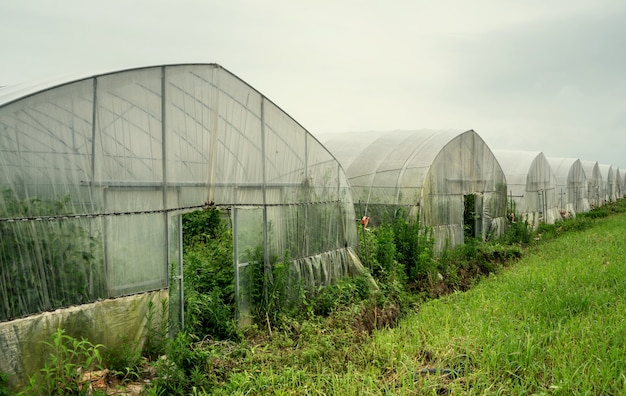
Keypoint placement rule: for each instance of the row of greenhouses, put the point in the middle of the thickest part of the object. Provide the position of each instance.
(96, 171)
(453, 182)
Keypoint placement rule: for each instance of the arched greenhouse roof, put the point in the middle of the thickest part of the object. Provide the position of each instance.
(120, 155)
(572, 186)
(430, 172)
(531, 184)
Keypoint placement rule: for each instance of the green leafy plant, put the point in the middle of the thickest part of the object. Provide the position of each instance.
(209, 276)
(62, 373)
(181, 367)
(4, 384)
(274, 294)
(157, 330)
(123, 360)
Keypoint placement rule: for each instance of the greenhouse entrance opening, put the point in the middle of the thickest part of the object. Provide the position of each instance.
(472, 215)
(208, 273)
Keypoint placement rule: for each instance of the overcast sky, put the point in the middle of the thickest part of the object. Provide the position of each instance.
(528, 74)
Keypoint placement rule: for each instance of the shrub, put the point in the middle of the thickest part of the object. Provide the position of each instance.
(208, 271)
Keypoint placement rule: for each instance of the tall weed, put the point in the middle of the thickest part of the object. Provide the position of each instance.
(62, 373)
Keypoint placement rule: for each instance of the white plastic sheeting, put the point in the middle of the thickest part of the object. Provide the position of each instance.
(619, 180)
(105, 322)
(609, 182)
(96, 170)
(595, 183)
(531, 185)
(571, 185)
(426, 172)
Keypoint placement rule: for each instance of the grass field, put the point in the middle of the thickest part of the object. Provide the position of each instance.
(552, 324)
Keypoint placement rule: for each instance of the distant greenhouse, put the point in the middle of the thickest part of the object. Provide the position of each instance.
(595, 184)
(450, 179)
(571, 186)
(531, 184)
(96, 171)
(609, 183)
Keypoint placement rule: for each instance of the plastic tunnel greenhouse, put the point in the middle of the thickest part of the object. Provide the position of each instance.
(450, 179)
(96, 171)
(609, 183)
(595, 184)
(571, 185)
(531, 185)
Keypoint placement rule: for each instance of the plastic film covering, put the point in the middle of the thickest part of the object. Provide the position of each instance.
(96, 170)
(619, 184)
(594, 183)
(571, 186)
(428, 173)
(23, 350)
(531, 185)
(141, 144)
(609, 183)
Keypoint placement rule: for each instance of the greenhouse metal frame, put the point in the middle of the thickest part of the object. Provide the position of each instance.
(96, 171)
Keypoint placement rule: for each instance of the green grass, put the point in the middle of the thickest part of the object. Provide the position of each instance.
(551, 324)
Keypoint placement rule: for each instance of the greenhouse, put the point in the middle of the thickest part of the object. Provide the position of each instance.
(619, 182)
(571, 186)
(449, 179)
(531, 185)
(96, 171)
(609, 183)
(594, 182)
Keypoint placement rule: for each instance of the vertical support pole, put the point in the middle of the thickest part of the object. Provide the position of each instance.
(367, 258)
(181, 293)
(236, 256)
(266, 251)
(307, 191)
(164, 177)
(93, 178)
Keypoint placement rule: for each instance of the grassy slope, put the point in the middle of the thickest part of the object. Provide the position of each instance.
(552, 324)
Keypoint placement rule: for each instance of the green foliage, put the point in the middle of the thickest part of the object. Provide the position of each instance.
(46, 264)
(519, 232)
(183, 367)
(384, 262)
(343, 293)
(518, 331)
(4, 384)
(124, 359)
(209, 276)
(414, 247)
(274, 292)
(202, 226)
(62, 372)
(157, 330)
(469, 216)
(328, 342)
